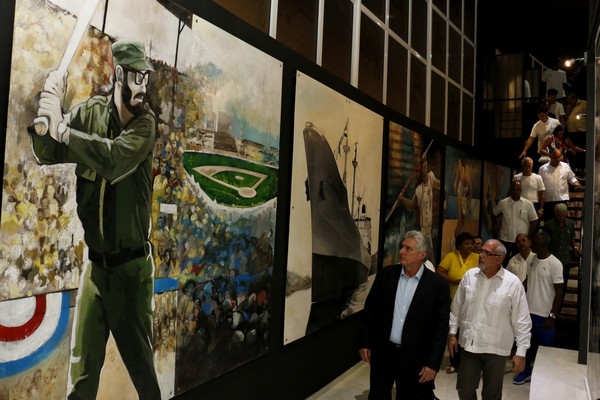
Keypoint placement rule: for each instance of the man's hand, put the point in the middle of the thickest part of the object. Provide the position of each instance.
(518, 364)
(452, 345)
(51, 101)
(50, 108)
(365, 355)
(427, 374)
(56, 84)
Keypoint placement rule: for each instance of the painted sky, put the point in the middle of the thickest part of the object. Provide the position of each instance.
(250, 84)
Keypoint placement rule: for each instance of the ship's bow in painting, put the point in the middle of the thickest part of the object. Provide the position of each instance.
(340, 258)
(336, 184)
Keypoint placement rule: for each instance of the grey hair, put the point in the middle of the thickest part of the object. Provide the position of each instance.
(527, 159)
(560, 207)
(418, 237)
(498, 247)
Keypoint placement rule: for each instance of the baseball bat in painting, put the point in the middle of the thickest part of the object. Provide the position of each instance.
(412, 176)
(83, 20)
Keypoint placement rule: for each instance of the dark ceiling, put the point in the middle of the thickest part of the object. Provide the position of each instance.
(547, 29)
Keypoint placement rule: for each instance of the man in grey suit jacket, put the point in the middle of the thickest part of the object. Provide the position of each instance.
(405, 325)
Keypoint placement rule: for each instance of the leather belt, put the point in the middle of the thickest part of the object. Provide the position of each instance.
(111, 260)
(397, 346)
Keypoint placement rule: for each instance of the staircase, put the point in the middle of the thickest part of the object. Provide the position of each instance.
(567, 325)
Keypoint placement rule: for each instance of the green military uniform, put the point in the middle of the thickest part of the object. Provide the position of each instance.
(114, 170)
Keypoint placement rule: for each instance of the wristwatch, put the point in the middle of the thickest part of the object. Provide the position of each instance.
(552, 315)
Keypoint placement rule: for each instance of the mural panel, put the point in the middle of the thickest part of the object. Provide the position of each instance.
(226, 204)
(334, 222)
(463, 188)
(496, 182)
(142, 143)
(413, 191)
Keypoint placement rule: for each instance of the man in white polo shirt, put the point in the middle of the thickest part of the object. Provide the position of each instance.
(519, 263)
(517, 216)
(544, 286)
(557, 177)
(532, 185)
(541, 130)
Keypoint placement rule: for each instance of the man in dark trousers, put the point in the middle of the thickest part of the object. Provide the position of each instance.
(109, 139)
(490, 310)
(405, 325)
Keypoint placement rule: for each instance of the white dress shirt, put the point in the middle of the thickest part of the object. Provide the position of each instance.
(491, 313)
(516, 217)
(518, 266)
(530, 185)
(557, 180)
(542, 275)
(557, 109)
(542, 130)
(554, 79)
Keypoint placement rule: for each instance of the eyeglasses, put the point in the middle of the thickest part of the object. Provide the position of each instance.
(139, 77)
(489, 254)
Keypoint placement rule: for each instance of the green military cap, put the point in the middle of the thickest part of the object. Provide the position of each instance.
(130, 54)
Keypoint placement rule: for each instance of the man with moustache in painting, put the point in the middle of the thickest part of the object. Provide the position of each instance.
(110, 139)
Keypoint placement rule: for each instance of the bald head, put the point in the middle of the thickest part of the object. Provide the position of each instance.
(527, 166)
(491, 257)
(515, 190)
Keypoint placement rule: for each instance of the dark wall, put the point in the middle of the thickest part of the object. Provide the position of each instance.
(299, 369)
(6, 24)
(296, 370)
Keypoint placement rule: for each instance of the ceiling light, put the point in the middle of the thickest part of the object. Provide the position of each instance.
(571, 61)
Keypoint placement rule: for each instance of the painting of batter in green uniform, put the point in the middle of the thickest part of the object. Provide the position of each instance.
(103, 224)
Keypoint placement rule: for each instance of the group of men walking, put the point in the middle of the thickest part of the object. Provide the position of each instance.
(409, 320)
(494, 312)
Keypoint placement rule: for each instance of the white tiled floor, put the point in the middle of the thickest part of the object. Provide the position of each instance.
(557, 375)
(554, 374)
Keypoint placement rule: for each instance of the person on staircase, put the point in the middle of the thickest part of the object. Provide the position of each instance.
(540, 130)
(576, 114)
(544, 286)
(532, 185)
(519, 263)
(517, 215)
(562, 240)
(555, 107)
(558, 141)
(557, 176)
